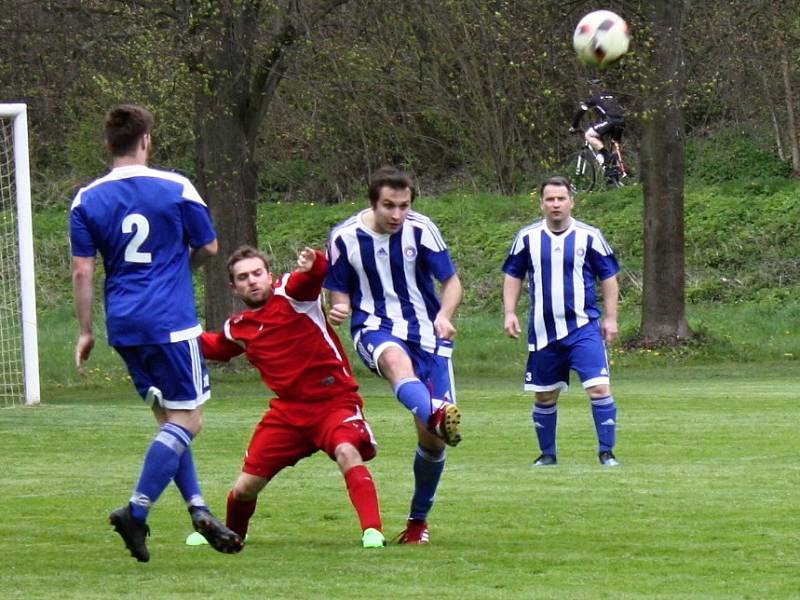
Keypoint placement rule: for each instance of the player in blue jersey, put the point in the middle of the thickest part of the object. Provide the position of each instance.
(149, 227)
(383, 263)
(563, 259)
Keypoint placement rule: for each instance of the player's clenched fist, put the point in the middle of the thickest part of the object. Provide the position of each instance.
(339, 313)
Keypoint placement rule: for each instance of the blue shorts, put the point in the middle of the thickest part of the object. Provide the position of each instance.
(435, 370)
(582, 350)
(172, 375)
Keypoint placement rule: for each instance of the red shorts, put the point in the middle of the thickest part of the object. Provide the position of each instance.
(291, 431)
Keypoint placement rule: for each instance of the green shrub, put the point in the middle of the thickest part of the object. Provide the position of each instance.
(730, 155)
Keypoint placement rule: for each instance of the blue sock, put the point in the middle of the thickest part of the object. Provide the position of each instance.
(415, 396)
(604, 412)
(545, 419)
(428, 469)
(160, 465)
(186, 481)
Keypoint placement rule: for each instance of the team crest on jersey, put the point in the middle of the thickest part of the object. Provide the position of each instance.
(410, 252)
(580, 252)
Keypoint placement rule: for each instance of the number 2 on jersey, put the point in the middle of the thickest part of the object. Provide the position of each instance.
(139, 223)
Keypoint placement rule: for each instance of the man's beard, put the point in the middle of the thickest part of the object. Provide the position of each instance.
(255, 303)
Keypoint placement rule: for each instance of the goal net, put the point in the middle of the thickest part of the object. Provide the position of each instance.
(19, 359)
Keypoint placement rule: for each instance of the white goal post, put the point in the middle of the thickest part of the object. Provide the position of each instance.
(19, 354)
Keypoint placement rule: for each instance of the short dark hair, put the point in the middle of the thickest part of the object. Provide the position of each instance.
(243, 252)
(389, 177)
(557, 180)
(125, 125)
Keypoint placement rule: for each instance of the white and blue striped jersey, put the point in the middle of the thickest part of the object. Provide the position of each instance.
(389, 277)
(143, 221)
(562, 272)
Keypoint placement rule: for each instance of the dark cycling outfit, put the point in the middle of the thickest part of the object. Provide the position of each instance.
(612, 121)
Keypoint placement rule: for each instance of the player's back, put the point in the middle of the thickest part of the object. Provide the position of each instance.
(142, 222)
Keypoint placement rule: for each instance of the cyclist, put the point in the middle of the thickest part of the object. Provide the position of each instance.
(611, 123)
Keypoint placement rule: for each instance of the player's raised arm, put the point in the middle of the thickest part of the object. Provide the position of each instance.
(305, 259)
(305, 282)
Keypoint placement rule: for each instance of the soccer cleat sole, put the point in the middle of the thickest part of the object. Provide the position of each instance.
(451, 425)
(219, 537)
(196, 539)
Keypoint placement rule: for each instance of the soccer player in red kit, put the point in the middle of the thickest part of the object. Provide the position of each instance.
(285, 335)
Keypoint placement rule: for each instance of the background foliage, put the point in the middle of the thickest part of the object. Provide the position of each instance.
(460, 92)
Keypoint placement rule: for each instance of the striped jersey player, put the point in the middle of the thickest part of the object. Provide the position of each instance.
(563, 260)
(384, 264)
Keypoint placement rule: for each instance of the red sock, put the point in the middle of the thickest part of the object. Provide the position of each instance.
(239, 513)
(364, 497)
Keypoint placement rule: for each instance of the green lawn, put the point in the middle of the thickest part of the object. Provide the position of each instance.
(703, 506)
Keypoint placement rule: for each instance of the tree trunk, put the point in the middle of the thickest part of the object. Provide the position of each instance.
(228, 179)
(776, 128)
(790, 120)
(663, 152)
(237, 81)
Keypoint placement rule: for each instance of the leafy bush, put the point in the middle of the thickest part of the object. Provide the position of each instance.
(742, 237)
(731, 155)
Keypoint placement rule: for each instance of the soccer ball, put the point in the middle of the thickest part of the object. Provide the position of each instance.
(601, 37)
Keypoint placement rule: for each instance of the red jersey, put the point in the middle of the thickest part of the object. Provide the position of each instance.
(290, 341)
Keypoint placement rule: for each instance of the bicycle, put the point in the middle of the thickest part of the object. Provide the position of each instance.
(584, 170)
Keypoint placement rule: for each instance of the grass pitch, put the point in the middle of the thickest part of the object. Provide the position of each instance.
(703, 506)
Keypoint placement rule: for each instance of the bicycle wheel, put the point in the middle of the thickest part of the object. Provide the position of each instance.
(581, 171)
